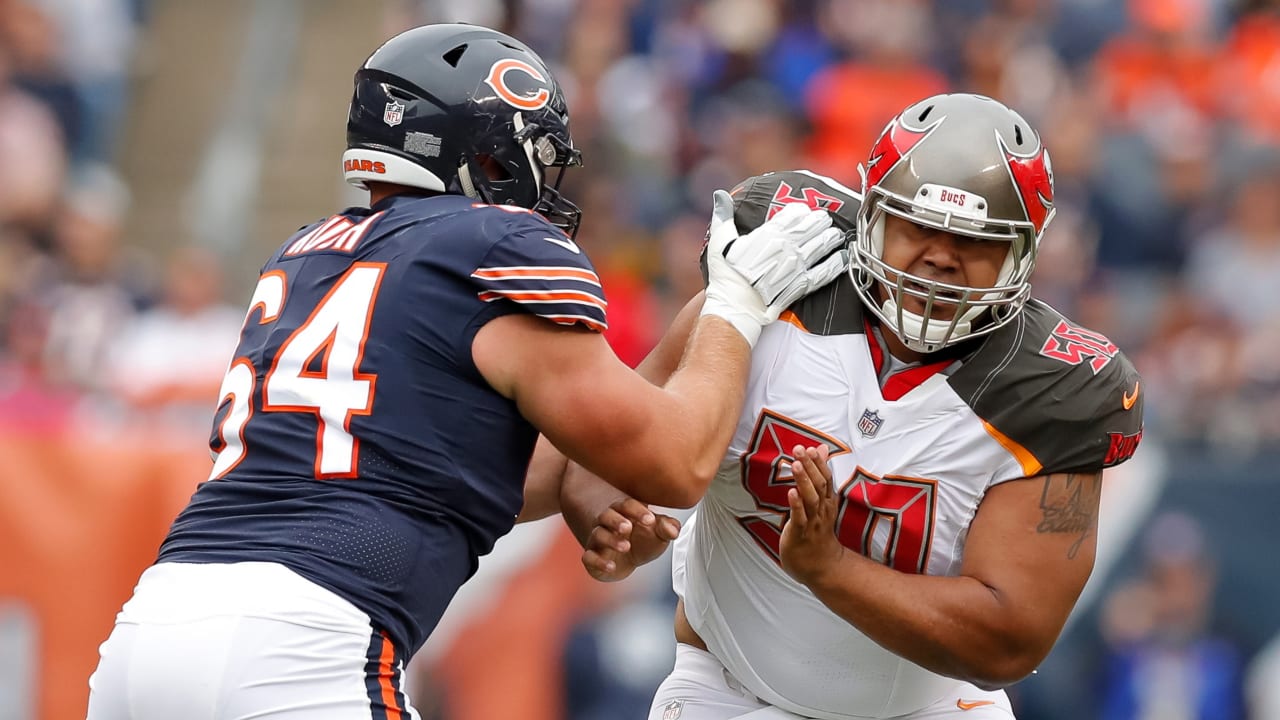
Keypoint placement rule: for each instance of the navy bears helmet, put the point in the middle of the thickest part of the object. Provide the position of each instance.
(432, 102)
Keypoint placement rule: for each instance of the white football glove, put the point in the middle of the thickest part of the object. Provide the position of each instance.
(753, 278)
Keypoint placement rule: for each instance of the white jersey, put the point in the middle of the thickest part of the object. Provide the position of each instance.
(911, 462)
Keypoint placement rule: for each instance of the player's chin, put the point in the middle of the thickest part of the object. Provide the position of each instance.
(916, 298)
(941, 309)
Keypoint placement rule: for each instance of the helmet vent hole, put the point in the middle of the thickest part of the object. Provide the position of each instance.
(924, 114)
(453, 56)
(1017, 134)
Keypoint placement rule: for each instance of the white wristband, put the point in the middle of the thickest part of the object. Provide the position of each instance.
(747, 324)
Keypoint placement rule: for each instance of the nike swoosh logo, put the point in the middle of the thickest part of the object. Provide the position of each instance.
(971, 704)
(565, 243)
(1128, 400)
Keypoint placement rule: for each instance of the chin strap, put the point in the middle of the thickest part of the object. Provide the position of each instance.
(464, 179)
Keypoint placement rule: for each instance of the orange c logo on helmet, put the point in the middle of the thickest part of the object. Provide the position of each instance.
(498, 81)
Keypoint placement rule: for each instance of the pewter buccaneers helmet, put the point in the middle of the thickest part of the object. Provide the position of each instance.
(432, 100)
(968, 165)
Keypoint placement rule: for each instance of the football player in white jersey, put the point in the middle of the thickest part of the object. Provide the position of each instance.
(956, 430)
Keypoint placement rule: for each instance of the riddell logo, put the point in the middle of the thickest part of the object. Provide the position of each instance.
(354, 165)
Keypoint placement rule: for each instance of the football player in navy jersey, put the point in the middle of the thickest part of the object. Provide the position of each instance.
(395, 368)
(908, 509)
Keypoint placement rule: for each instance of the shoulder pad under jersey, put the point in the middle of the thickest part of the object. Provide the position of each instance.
(536, 265)
(1060, 397)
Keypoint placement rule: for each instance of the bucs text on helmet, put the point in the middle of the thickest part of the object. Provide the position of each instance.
(968, 165)
(433, 101)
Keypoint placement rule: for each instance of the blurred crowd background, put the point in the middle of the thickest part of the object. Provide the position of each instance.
(154, 152)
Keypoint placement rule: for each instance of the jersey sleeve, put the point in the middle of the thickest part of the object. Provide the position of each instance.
(541, 270)
(1062, 399)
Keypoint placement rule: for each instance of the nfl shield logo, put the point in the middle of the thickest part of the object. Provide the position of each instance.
(672, 710)
(393, 113)
(869, 424)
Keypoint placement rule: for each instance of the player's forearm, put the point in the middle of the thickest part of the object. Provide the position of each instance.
(664, 359)
(543, 482)
(583, 496)
(954, 626)
(707, 393)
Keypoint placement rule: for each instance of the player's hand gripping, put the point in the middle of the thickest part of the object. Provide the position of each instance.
(627, 535)
(754, 277)
(809, 545)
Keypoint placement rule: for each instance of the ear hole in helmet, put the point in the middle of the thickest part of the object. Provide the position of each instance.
(1017, 134)
(453, 56)
(493, 170)
(925, 113)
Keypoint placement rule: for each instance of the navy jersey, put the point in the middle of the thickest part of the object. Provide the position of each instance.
(355, 440)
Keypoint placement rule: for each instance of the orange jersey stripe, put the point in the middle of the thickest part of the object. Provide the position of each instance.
(567, 296)
(536, 272)
(1030, 465)
(385, 675)
(573, 319)
(789, 317)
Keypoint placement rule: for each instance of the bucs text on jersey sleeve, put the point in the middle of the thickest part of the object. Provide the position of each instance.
(353, 386)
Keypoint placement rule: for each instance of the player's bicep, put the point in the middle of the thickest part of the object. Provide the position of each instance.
(1033, 543)
(569, 384)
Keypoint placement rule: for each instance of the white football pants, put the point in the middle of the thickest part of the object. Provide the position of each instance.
(243, 640)
(700, 688)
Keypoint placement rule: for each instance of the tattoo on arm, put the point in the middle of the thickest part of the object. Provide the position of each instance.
(1069, 503)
